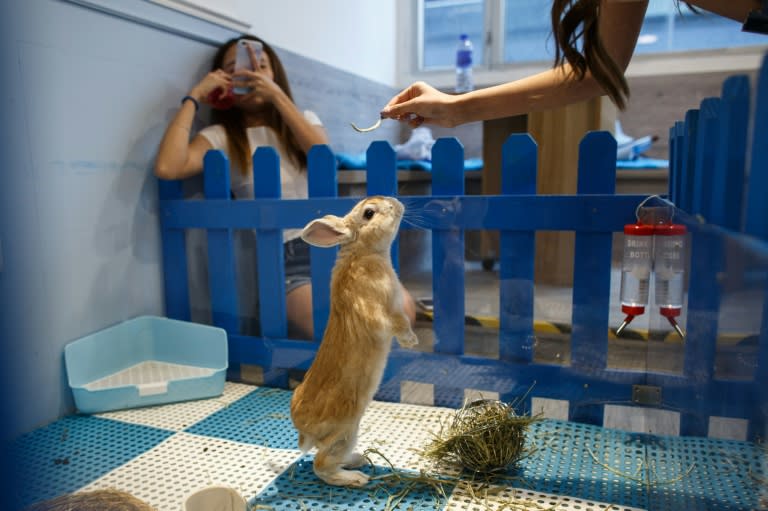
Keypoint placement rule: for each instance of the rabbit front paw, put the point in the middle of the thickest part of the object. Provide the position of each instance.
(408, 340)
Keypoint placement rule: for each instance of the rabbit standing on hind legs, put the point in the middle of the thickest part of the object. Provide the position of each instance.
(366, 312)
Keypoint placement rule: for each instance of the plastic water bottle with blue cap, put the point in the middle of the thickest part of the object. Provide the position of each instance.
(464, 81)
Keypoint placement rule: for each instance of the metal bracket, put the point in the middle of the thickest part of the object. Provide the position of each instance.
(646, 395)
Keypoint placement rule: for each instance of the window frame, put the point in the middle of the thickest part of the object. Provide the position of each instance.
(494, 70)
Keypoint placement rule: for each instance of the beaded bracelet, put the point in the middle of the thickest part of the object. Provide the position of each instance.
(193, 100)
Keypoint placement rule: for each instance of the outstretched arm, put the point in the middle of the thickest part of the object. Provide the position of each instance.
(620, 23)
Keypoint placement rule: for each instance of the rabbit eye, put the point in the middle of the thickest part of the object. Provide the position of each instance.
(368, 213)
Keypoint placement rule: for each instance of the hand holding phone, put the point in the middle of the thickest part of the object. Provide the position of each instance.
(243, 61)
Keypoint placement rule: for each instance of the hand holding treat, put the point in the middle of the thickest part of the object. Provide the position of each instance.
(221, 99)
(214, 89)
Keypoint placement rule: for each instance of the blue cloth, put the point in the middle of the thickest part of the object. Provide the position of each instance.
(350, 161)
(347, 161)
(642, 163)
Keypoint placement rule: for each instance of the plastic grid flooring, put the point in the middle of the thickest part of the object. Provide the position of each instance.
(244, 439)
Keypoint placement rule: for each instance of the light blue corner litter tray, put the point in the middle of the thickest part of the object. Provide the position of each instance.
(146, 361)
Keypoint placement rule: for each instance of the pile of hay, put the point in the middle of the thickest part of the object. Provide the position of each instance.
(485, 436)
(99, 500)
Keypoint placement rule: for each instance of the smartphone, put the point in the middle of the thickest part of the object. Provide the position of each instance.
(243, 60)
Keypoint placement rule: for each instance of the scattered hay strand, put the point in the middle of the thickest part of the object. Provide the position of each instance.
(649, 475)
(397, 484)
(485, 436)
(98, 500)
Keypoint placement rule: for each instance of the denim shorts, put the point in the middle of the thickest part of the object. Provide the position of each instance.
(296, 257)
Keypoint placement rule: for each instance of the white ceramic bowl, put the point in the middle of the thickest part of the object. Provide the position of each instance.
(214, 498)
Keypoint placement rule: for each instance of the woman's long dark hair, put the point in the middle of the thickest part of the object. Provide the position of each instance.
(232, 119)
(574, 20)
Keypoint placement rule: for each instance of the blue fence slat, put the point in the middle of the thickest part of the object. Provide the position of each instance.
(323, 182)
(269, 243)
(707, 147)
(269, 260)
(758, 396)
(687, 167)
(756, 221)
(701, 327)
(221, 251)
(730, 167)
(175, 283)
(519, 165)
(381, 173)
(672, 170)
(678, 162)
(447, 247)
(592, 266)
(381, 177)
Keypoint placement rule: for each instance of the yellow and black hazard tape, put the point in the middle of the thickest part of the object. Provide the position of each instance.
(542, 327)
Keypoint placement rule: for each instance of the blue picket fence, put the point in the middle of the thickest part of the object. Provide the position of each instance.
(718, 178)
(708, 155)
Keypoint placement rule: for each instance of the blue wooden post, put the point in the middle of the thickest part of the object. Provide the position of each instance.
(221, 252)
(758, 427)
(269, 243)
(706, 262)
(269, 260)
(730, 167)
(175, 282)
(677, 175)
(592, 267)
(672, 170)
(688, 160)
(519, 165)
(448, 247)
(323, 182)
(701, 327)
(381, 177)
(756, 222)
(707, 148)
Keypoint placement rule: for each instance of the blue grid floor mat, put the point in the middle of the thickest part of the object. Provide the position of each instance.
(244, 440)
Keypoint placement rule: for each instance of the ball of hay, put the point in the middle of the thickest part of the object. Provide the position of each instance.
(98, 500)
(484, 436)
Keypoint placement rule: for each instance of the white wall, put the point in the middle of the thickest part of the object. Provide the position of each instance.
(352, 35)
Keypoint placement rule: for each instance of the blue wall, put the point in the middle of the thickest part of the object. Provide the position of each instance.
(85, 98)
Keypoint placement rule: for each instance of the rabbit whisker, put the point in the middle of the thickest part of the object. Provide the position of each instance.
(416, 221)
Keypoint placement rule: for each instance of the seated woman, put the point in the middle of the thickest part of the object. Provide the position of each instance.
(264, 116)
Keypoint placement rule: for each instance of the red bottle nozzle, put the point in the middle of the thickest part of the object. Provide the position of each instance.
(631, 311)
(671, 313)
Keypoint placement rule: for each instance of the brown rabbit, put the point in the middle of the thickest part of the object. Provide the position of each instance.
(366, 312)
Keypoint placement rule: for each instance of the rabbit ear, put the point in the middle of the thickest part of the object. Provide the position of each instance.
(326, 232)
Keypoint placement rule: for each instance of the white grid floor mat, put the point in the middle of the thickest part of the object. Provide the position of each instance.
(244, 440)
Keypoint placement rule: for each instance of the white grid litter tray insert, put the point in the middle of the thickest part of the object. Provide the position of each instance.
(151, 377)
